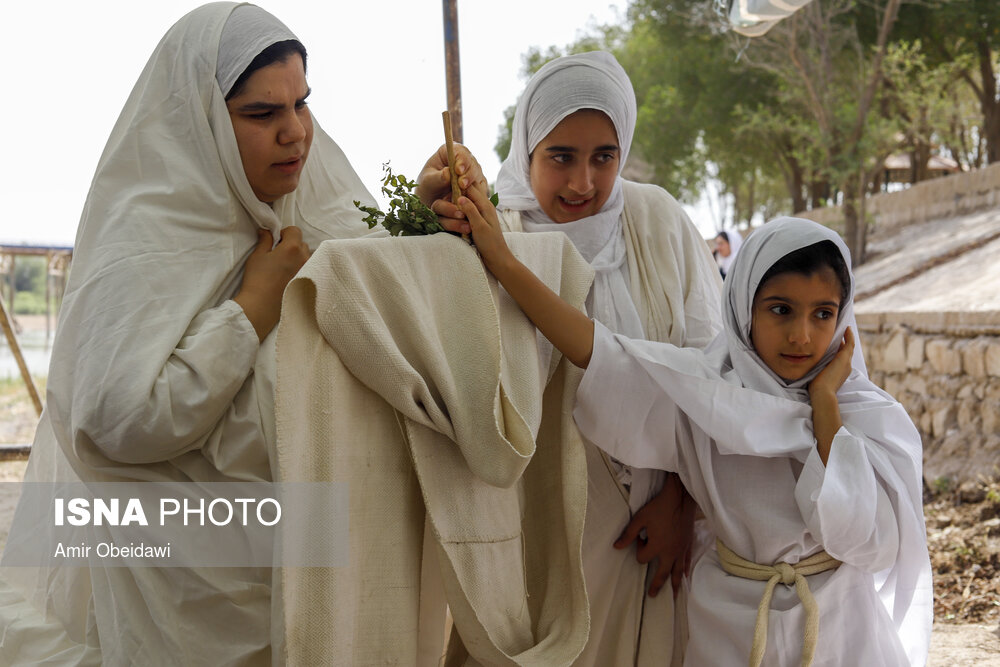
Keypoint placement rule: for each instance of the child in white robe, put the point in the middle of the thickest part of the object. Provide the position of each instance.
(808, 473)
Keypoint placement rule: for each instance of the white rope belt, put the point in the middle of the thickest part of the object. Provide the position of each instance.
(786, 574)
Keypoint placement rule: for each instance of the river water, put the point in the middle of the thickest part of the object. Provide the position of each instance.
(35, 349)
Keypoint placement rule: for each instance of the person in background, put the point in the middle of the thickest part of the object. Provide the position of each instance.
(727, 245)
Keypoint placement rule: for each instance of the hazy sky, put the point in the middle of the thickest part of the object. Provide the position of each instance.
(376, 70)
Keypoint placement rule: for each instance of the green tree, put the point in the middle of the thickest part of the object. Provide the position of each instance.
(921, 96)
(831, 83)
(966, 32)
(29, 275)
(690, 88)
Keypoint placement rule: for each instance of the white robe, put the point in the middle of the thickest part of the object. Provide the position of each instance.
(766, 509)
(675, 287)
(749, 459)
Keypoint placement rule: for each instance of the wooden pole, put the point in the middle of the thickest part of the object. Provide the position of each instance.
(49, 261)
(12, 282)
(452, 68)
(449, 142)
(8, 330)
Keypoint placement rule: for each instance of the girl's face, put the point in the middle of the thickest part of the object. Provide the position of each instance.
(573, 169)
(794, 320)
(722, 245)
(273, 127)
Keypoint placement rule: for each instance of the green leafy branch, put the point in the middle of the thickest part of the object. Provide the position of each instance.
(407, 216)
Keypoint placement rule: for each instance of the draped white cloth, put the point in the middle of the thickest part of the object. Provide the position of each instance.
(742, 441)
(156, 374)
(247, 33)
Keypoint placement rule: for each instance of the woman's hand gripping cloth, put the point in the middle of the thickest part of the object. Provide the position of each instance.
(404, 371)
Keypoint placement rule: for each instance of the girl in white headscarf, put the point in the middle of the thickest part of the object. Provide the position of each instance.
(214, 184)
(727, 246)
(654, 279)
(807, 472)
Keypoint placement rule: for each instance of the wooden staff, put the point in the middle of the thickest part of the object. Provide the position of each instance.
(5, 321)
(449, 142)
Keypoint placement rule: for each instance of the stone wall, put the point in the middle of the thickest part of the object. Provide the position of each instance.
(936, 199)
(945, 370)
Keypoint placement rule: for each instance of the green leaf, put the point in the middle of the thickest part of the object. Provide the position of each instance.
(407, 215)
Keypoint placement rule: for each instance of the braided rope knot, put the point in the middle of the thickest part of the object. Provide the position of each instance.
(787, 574)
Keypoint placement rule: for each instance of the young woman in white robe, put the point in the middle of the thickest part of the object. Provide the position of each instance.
(163, 366)
(808, 473)
(654, 279)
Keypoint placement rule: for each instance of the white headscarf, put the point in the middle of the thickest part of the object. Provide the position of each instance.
(170, 220)
(561, 87)
(763, 248)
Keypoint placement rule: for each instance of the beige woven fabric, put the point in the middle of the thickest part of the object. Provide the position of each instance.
(406, 372)
(788, 574)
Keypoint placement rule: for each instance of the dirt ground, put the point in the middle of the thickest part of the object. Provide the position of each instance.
(963, 536)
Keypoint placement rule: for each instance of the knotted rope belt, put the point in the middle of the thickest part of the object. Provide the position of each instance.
(786, 574)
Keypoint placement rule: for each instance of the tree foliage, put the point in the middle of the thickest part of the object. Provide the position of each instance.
(805, 115)
(29, 275)
(966, 32)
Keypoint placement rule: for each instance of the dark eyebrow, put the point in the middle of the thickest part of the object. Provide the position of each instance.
(572, 149)
(257, 107)
(778, 297)
(260, 106)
